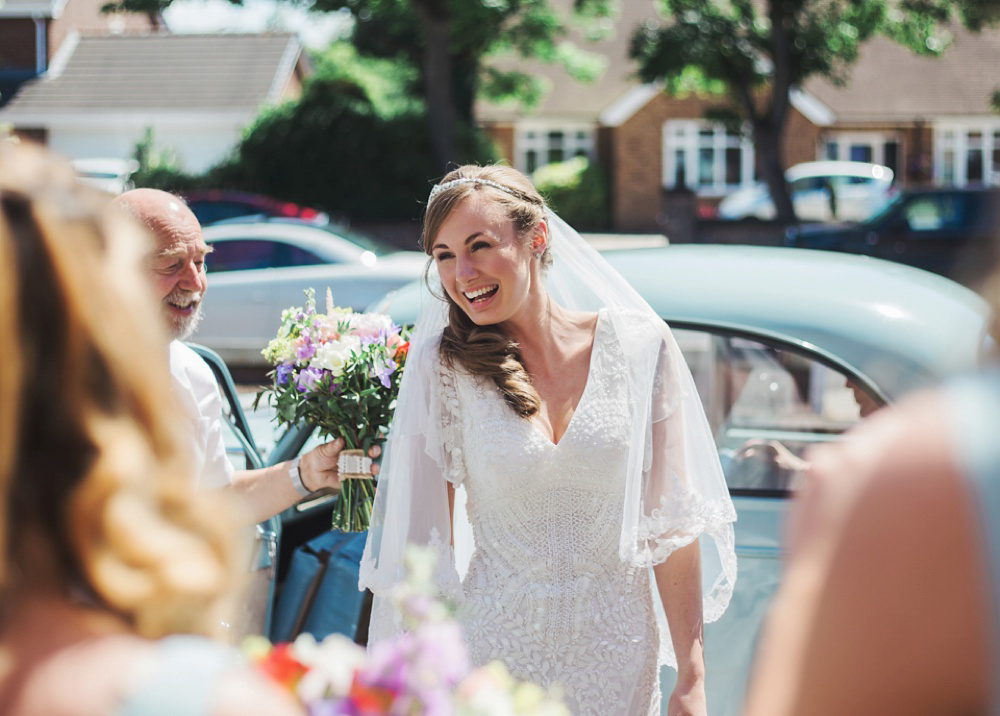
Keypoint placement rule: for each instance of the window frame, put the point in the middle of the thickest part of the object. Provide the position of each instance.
(534, 136)
(951, 152)
(800, 348)
(844, 140)
(685, 137)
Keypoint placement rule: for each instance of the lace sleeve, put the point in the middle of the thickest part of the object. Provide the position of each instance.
(451, 422)
(685, 497)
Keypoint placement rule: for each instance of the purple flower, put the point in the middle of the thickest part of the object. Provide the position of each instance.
(305, 348)
(307, 379)
(328, 707)
(383, 368)
(283, 373)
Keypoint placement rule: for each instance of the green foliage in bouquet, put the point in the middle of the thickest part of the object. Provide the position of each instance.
(339, 371)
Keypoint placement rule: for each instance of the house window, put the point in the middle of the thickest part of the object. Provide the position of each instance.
(706, 157)
(872, 147)
(536, 146)
(967, 153)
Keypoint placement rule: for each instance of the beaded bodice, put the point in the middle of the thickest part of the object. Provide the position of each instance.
(546, 590)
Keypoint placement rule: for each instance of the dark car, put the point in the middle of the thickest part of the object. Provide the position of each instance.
(952, 232)
(213, 205)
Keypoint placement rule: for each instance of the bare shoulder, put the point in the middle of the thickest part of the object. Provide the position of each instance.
(900, 455)
(583, 322)
(885, 567)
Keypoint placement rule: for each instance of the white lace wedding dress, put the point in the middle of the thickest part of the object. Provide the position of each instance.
(546, 591)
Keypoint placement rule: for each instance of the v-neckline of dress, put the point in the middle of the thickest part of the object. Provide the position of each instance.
(579, 403)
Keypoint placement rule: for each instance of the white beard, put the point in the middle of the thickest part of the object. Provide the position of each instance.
(182, 328)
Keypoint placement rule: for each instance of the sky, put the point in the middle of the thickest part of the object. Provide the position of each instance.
(316, 30)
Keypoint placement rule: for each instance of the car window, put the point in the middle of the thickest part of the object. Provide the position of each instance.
(768, 404)
(243, 255)
(934, 213)
(249, 254)
(291, 255)
(808, 184)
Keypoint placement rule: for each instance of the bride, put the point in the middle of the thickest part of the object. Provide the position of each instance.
(541, 386)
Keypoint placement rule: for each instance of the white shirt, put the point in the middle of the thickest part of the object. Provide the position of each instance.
(195, 387)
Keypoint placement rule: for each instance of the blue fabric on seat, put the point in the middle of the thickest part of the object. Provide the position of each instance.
(320, 594)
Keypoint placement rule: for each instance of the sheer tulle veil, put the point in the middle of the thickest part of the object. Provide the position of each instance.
(675, 491)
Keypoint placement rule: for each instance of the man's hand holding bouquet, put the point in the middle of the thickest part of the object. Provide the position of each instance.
(339, 371)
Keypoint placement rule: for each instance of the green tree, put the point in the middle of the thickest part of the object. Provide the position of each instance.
(354, 144)
(754, 53)
(449, 40)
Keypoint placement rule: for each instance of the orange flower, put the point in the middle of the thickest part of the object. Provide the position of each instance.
(372, 700)
(282, 666)
(401, 351)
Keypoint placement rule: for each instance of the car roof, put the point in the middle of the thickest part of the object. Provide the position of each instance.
(898, 327)
(322, 241)
(839, 168)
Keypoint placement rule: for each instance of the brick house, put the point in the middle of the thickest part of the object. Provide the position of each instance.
(196, 93)
(929, 119)
(32, 31)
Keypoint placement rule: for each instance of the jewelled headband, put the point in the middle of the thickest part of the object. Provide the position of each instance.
(485, 182)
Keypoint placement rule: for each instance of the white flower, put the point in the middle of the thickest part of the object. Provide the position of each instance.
(369, 325)
(332, 665)
(279, 350)
(335, 355)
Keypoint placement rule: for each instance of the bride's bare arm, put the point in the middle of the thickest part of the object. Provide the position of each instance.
(678, 580)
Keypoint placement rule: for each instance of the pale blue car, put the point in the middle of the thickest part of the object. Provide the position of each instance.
(789, 348)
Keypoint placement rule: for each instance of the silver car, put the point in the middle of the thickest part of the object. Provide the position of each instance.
(260, 267)
(789, 348)
(820, 191)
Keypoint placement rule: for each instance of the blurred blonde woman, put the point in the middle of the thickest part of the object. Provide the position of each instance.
(104, 553)
(890, 602)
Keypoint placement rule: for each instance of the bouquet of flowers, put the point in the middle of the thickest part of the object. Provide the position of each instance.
(424, 672)
(340, 371)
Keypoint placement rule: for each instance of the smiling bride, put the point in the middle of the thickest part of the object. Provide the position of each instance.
(546, 393)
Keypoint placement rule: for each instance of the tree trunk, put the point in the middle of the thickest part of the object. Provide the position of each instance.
(767, 139)
(437, 75)
(769, 132)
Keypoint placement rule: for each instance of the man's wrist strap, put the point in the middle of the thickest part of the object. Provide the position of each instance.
(296, 476)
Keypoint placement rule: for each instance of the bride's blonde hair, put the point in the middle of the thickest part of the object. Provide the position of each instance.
(93, 452)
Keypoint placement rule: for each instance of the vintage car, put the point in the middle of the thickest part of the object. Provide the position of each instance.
(789, 348)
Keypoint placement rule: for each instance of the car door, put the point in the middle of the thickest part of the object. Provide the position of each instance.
(767, 403)
(259, 543)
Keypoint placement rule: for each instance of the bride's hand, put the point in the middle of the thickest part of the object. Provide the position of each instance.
(688, 700)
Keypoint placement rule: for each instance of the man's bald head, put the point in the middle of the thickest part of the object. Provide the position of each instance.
(164, 214)
(177, 263)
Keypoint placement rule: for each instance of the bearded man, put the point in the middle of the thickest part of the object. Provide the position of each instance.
(176, 268)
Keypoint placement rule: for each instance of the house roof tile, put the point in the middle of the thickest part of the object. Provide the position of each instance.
(122, 73)
(568, 98)
(890, 83)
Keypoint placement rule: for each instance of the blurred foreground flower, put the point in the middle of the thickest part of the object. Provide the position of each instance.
(424, 672)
